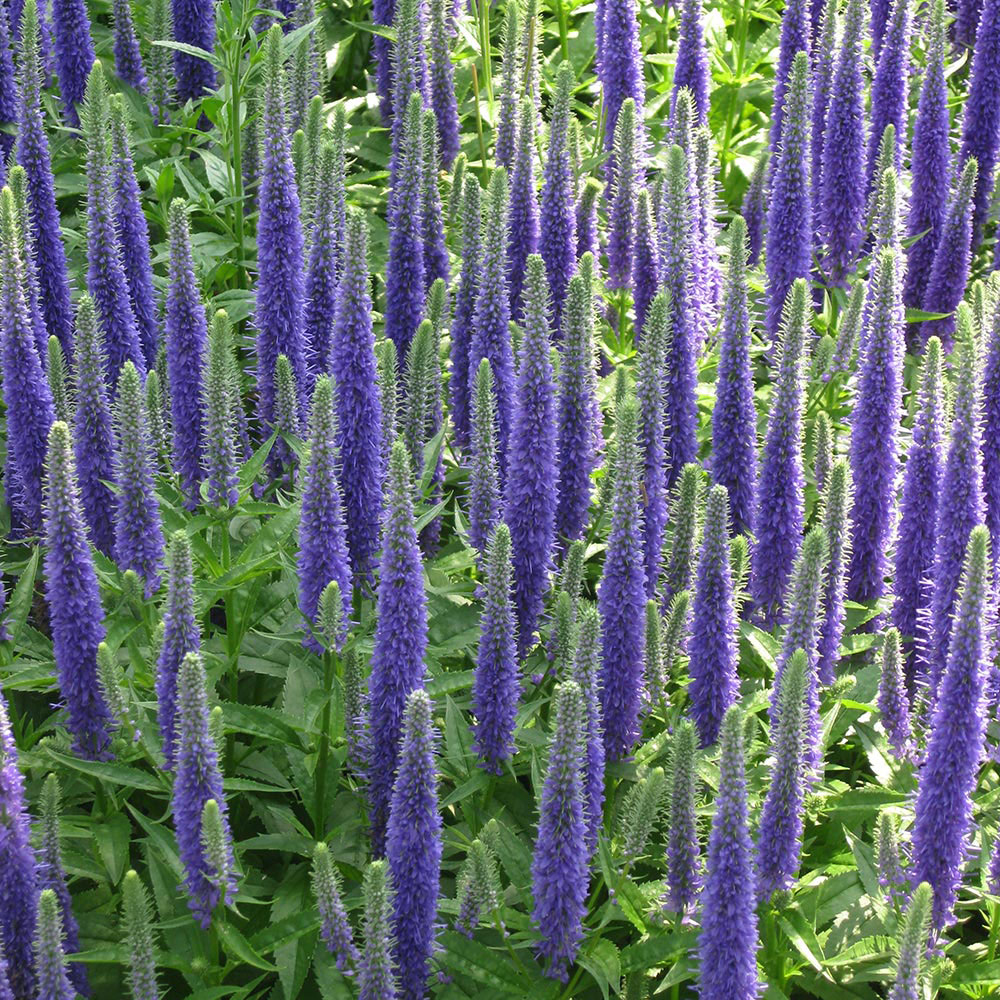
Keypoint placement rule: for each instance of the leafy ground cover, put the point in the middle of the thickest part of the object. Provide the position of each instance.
(501, 501)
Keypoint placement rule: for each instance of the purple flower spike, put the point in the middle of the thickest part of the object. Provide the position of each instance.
(27, 396)
(991, 427)
(779, 840)
(442, 84)
(133, 232)
(683, 878)
(74, 600)
(197, 782)
(754, 208)
(734, 417)
(645, 263)
(530, 502)
(322, 538)
(50, 953)
(187, 338)
(335, 927)
(893, 701)
(930, 162)
(404, 276)
(461, 383)
(952, 257)
(359, 409)
(557, 243)
(981, 119)
(823, 53)
(960, 499)
(586, 673)
(106, 278)
(621, 215)
(714, 685)
(802, 631)
(728, 940)
(649, 392)
(510, 87)
(194, 24)
(397, 664)
(181, 636)
(943, 816)
(326, 259)
(522, 208)
(484, 474)
(890, 88)
(413, 847)
(915, 542)
(128, 58)
(18, 870)
(436, 262)
(779, 513)
(8, 87)
(842, 206)
(622, 594)
(836, 503)
(789, 219)
(138, 532)
(280, 285)
(496, 690)
(620, 64)
(691, 68)
(409, 65)
(559, 868)
(33, 155)
(676, 228)
(874, 426)
(491, 321)
(587, 225)
(74, 52)
(579, 410)
(796, 26)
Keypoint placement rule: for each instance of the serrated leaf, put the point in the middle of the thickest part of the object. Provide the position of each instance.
(600, 958)
(470, 958)
(115, 774)
(238, 946)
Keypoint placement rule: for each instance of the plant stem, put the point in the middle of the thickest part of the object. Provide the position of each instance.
(563, 29)
(485, 50)
(479, 122)
(232, 657)
(322, 763)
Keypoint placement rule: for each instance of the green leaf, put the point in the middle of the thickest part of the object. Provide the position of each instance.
(803, 937)
(656, 951)
(600, 958)
(975, 974)
(470, 958)
(24, 593)
(192, 50)
(115, 774)
(112, 836)
(237, 946)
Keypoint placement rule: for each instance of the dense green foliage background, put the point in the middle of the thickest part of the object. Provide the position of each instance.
(831, 939)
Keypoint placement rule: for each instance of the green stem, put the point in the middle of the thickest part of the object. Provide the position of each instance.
(563, 28)
(485, 50)
(622, 314)
(232, 658)
(479, 122)
(319, 820)
(236, 155)
(994, 931)
(568, 992)
(736, 104)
